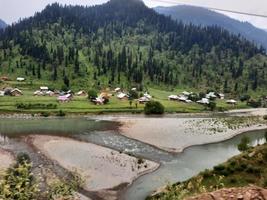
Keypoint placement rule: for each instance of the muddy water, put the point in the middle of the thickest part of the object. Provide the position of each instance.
(174, 167)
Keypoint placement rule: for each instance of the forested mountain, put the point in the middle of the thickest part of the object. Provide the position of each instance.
(205, 17)
(123, 42)
(2, 24)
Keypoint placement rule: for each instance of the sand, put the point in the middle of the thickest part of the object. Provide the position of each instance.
(6, 160)
(100, 167)
(175, 134)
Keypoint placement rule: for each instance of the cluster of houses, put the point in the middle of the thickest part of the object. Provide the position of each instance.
(186, 97)
(61, 95)
(123, 95)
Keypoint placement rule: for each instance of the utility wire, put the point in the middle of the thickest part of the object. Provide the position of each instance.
(212, 8)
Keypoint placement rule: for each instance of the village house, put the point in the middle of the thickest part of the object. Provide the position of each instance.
(63, 99)
(231, 101)
(98, 101)
(20, 79)
(185, 93)
(143, 100)
(2, 93)
(117, 90)
(173, 97)
(44, 89)
(211, 95)
(221, 96)
(16, 92)
(204, 101)
(147, 95)
(122, 96)
(81, 93)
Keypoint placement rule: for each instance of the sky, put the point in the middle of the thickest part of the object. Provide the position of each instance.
(12, 10)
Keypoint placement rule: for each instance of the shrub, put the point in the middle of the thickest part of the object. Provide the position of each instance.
(219, 168)
(133, 94)
(254, 103)
(29, 106)
(45, 114)
(245, 97)
(265, 117)
(18, 182)
(244, 144)
(92, 94)
(212, 105)
(154, 107)
(61, 113)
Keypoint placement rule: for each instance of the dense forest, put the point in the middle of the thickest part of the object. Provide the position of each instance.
(125, 43)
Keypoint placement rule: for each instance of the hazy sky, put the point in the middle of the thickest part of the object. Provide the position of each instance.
(12, 10)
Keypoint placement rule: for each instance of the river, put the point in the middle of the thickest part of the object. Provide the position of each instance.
(174, 167)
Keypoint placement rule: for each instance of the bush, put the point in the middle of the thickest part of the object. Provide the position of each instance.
(245, 97)
(254, 103)
(244, 144)
(61, 113)
(18, 182)
(92, 94)
(212, 105)
(25, 106)
(154, 107)
(265, 117)
(133, 94)
(45, 114)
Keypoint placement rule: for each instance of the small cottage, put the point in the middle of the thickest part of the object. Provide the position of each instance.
(63, 99)
(44, 89)
(173, 97)
(2, 93)
(143, 100)
(122, 95)
(117, 90)
(81, 93)
(204, 101)
(231, 101)
(20, 79)
(16, 92)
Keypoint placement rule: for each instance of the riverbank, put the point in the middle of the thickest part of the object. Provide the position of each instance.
(101, 168)
(242, 170)
(6, 160)
(176, 134)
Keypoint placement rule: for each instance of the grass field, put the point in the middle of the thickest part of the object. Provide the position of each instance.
(82, 105)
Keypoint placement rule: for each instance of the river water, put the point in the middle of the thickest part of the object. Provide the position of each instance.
(174, 167)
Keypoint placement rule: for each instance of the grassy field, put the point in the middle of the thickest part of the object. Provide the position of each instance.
(239, 171)
(82, 105)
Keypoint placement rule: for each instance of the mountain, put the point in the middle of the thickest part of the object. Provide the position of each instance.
(205, 17)
(124, 43)
(2, 24)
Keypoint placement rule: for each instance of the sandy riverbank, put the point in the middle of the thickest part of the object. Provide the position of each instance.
(176, 134)
(6, 160)
(100, 167)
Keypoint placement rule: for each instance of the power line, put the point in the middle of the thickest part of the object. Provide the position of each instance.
(212, 8)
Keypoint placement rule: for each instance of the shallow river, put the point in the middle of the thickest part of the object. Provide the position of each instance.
(174, 167)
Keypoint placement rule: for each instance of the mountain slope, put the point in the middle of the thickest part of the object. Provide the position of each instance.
(205, 17)
(2, 24)
(126, 44)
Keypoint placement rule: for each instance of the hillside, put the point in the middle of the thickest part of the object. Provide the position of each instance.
(2, 24)
(205, 17)
(127, 44)
(243, 170)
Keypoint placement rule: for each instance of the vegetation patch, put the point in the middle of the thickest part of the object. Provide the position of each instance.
(29, 106)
